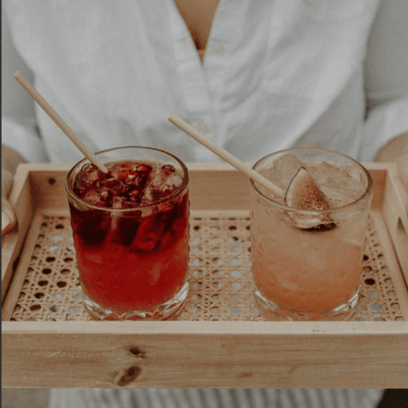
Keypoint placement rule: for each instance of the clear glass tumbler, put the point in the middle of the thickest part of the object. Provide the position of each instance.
(306, 265)
(131, 233)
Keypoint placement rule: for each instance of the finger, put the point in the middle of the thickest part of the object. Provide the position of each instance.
(402, 163)
(6, 182)
(8, 217)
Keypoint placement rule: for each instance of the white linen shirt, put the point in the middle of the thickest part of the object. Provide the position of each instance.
(276, 74)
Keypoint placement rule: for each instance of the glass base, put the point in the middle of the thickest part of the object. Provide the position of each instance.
(164, 311)
(273, 311)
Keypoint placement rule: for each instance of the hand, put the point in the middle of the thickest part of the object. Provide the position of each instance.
(9, 162)
(8, 215)
(402, 163)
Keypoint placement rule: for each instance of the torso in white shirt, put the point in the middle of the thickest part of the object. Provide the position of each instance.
(275, 74)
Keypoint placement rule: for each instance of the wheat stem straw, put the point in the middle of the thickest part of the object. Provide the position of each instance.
(228, 157)
(52, 113)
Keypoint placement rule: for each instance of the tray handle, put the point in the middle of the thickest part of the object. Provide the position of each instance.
(401, 247)
(395, 210)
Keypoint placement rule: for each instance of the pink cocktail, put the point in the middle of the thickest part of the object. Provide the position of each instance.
(307, 264)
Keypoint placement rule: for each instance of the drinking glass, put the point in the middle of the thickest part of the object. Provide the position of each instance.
(132, 259)
(306, 265)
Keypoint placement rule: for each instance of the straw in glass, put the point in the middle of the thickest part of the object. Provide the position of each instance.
(59, 121)
(228, 157)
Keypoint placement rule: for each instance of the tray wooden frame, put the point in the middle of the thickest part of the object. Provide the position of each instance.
(207, 354)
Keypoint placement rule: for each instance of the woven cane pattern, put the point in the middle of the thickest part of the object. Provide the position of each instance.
(220, 280)
(378, 300)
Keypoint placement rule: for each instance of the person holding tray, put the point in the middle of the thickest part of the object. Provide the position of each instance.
(255, 77)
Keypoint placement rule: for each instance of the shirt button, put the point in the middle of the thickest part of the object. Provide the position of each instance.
(218, 48)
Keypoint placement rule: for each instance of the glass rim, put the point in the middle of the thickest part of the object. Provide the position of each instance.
(364, 194)
(175, 193)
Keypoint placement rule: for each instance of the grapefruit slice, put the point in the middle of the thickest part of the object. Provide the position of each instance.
(304, 193)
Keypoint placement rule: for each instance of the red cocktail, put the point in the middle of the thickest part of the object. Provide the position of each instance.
(130, 229)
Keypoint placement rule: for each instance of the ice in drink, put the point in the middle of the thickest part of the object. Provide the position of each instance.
(307, 263)
(130, 229)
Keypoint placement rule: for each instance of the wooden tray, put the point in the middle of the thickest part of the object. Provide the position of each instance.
(220, 340)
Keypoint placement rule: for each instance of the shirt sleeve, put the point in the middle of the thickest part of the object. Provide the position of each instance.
(386, 78)
(19, 128)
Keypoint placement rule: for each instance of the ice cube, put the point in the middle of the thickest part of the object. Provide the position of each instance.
(325, 172)
(92, 173)
(338, 182)
(136, 196)
(166, 207)
(118, 202)
(150, 231)
(121, 170)
(150, 195)
(168, 239)
(88, 176)
(136, 179)
(144, 168)
(162, 182)
(94, 197)
(123, 228)
(165, 177)
(131, 203)
(282, 170)
(355, 183)
(92, 228)
(115, 186)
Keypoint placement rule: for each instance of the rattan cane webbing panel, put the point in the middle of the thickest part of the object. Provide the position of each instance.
(220, 282)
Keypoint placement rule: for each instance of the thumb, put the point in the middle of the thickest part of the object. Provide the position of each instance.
(8, 217)
(402, 163)
(6, 182)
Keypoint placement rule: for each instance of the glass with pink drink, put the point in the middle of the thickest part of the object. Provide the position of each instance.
(307, 248)
(131, 233)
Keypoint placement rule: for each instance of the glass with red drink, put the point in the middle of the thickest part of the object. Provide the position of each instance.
(131, 232)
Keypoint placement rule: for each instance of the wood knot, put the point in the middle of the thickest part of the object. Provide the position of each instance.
(244, 375)
(125, 377)
(136, 352)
